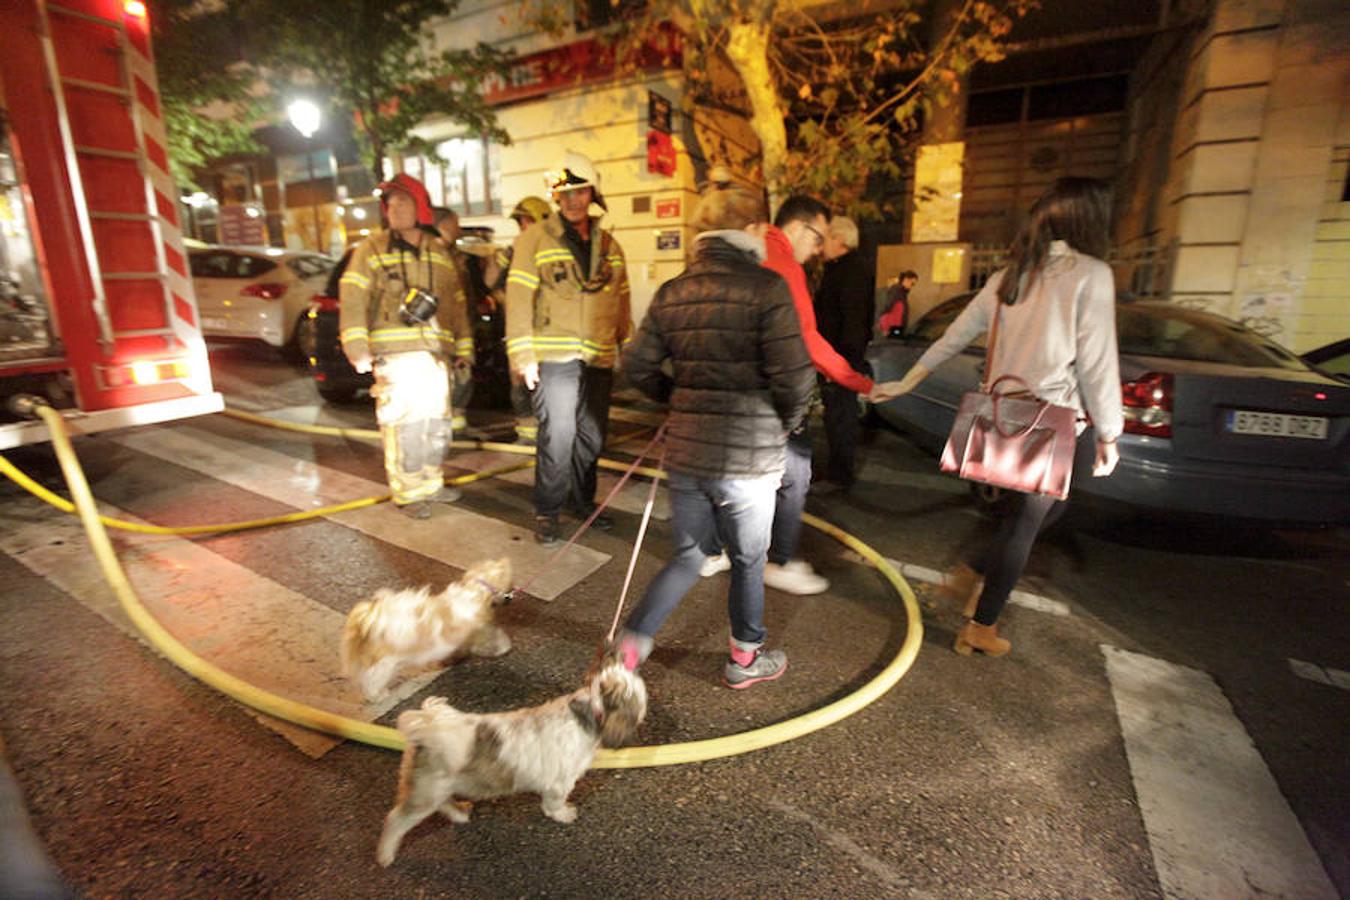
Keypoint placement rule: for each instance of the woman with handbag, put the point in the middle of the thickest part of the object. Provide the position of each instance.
(1051, 319)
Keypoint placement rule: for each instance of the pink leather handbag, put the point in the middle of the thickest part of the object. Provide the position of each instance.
(1012, 440)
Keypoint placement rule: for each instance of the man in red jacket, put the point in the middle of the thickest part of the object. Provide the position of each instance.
(796, 235)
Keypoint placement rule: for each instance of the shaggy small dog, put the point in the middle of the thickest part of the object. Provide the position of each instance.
(543, 749)
(414, 627)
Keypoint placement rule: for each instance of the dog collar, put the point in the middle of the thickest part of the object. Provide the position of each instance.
(492, 589)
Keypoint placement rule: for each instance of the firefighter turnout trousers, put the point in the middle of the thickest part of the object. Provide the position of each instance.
(412, 404)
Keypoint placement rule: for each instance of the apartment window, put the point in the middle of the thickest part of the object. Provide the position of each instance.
(465, 175)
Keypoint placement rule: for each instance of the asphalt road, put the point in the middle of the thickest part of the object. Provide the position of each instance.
(971, 778)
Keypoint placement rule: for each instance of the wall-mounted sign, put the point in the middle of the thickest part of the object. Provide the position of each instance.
(658, 112)
(668, 209)
(581, 62)
(660, 153)
(241, 225)
(667, 240)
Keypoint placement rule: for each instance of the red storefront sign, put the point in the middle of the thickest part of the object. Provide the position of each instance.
(579, 63)
(668, 209)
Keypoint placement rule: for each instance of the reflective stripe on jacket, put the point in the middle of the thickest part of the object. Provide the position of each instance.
(554, 311)
(372, 290)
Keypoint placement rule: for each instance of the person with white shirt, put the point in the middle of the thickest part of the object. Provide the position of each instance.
(1055, 304)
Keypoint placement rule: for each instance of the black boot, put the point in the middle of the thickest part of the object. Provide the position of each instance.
(602, 522)
(546, 529)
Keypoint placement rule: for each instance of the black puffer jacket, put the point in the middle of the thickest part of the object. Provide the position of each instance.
(742, 378)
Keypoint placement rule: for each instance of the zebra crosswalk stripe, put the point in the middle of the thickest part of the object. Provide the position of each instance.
(1217, 823)
(454, 535)
(242, 622)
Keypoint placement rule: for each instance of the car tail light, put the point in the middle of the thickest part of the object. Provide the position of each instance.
(324, 303)
(1148, 405)
(265, 290)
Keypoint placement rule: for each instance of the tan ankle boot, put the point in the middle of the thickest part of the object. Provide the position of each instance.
(963, 585)
(983, 638)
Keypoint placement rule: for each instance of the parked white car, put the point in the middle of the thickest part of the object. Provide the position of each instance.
(255, 292)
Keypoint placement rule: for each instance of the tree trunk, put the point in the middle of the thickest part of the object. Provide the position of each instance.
(377, 160)
(748, 49)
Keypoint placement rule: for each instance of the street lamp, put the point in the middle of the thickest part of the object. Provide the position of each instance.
(305, 116)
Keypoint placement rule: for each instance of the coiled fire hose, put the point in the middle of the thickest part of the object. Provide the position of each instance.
(383, 736)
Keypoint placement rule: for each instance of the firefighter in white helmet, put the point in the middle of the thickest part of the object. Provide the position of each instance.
(567, 314)
(403, 315)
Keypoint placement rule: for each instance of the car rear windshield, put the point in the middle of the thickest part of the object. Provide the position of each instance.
(1186, 334)
(308, 266)
(226, 264)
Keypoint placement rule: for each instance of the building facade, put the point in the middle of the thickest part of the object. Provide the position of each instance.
(1224, 125)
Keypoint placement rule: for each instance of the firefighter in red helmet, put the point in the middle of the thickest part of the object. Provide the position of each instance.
(404, 315)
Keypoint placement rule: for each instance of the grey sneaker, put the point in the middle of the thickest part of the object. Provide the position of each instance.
(766, 666)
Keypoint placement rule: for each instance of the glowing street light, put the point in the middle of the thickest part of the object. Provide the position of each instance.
(305, 116)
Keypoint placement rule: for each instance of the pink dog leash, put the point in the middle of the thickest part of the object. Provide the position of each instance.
(637, 544)
(660, 433)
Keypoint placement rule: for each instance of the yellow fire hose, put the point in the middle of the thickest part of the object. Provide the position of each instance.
(382, 736)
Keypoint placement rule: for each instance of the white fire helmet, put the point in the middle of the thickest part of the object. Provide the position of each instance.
(576, 171)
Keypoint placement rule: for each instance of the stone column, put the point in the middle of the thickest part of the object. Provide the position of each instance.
(1253, 149)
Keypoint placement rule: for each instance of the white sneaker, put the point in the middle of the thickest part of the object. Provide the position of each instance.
(714, 564)
(795, 577)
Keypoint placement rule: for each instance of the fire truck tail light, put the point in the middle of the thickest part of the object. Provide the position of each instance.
(146, 371)
(134, 8)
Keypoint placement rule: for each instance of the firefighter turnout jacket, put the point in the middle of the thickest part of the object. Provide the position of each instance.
(381, 271)
(558, 312)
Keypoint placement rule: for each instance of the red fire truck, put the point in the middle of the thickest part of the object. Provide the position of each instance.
(97, 314)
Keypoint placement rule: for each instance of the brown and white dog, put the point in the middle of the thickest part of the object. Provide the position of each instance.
(414, 627)
(542, 749)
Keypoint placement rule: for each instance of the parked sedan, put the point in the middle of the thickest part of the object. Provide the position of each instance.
(1218, 419)
(255, 292)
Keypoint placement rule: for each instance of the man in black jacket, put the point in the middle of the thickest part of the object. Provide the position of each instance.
(843, 304)
(740, 381)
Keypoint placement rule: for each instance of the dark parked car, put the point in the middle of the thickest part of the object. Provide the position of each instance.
(317, 336)
(1218, 419)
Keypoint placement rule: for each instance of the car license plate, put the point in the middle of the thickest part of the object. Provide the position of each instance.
(1247, 421)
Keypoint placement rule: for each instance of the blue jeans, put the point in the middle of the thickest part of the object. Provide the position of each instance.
(786, 533)
(740, 510)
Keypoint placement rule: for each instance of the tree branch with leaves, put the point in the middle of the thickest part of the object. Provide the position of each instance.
(375, 60)
(206, 91)
(830, 92)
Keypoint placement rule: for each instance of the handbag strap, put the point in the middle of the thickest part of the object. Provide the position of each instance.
(1042, 408)
(989, 348)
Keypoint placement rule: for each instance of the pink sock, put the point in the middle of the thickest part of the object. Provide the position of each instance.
(742, 657)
